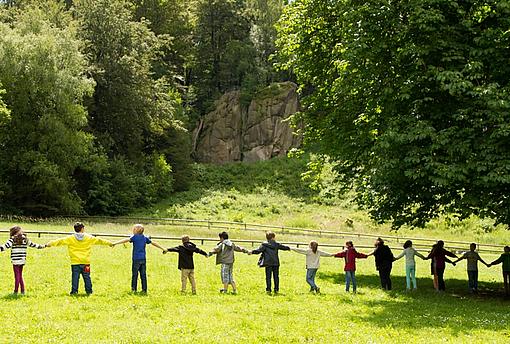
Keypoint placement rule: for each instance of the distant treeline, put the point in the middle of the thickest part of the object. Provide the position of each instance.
(97, 97)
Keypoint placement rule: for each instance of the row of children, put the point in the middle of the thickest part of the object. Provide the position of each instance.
(80, 243)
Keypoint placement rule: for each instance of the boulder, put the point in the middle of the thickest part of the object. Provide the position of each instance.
(260, 132)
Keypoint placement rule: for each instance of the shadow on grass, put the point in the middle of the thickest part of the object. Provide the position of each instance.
(455, 310)
(454, 287)
(12, 296)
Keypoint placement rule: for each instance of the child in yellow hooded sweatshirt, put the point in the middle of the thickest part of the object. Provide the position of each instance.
(79, 246)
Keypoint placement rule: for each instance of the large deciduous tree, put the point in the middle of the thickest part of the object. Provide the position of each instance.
(412, 98)
(42, 142)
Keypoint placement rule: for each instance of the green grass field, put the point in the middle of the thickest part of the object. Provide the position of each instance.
(112, 314)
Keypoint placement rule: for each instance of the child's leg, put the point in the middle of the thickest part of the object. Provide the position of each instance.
(86, 278)
(353, 277)
(440, 279)
(506, 281)
(135, 266)
(143, 275)
(231, 277)
(309, 278)
(268, 278)
(16, 278)
(21, 282)
(413, 276)
(408, 277)
(436, 281)
(347, 280)
(191, 277)
(75, 278)
(276, 277)
(184, 279)
(225, 276)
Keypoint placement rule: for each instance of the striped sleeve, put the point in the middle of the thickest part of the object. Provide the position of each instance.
(7, 245)
(34, 245)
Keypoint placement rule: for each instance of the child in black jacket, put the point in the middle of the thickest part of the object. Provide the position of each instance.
(186, 264)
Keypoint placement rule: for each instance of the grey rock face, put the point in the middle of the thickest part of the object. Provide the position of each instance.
(259, 133)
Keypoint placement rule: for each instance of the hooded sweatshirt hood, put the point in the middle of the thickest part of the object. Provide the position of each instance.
(227, 242)
(189, 246)
(79, 236)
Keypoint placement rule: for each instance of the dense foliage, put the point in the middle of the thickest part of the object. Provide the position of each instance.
(411, 98)
(97, 98)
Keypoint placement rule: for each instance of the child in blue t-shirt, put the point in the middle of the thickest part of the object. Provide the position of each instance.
(139, 258)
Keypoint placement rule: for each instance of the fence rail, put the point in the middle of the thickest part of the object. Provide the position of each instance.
(252, 242)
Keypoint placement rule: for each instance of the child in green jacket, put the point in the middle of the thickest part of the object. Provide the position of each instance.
(505, 259)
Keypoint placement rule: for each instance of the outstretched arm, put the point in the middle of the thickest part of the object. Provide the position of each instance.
(123, 241)
(325, 254)
(483, 262)
(34, 245)
(101, 241)
(58, 242)
(7, 245)
(299, 250)
(157, 245)
(401, 255)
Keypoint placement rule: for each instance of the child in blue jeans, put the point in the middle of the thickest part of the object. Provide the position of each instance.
(139, 257)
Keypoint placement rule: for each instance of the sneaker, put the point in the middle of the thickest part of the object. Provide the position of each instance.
(223, 291)
(318, 290)
(194, 292)
(268, 292)
(234, 292)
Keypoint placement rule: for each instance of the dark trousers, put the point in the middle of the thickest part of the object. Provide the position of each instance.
(139, 266)
(440, 279)
(272, 270)
(18, 278)
(84, 270)
(473, 280)
(506, 282)
(384, 275)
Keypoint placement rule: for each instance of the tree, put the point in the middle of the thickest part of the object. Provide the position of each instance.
(412, 100)
(42, 142)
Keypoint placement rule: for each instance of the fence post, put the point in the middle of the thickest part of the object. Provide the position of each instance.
(245, 226)
(208, 225)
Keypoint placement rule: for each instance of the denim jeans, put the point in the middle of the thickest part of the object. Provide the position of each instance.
(84, 270)
(139, 266)
(385, 277)
(310, 278)
(350, 276)
(272, 270)
(473, 280)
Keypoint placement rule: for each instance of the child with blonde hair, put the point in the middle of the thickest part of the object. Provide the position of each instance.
(139, 264)
(313, 255)
(18, 243)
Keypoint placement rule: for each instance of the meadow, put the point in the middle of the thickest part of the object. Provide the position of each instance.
(113, 314)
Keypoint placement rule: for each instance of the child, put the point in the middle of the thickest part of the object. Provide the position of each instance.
(410, 252)
(383, 262)
(505, 259)
(186, 264)
(79, 246)
(139, 264)
(18, 244)
(472, 266)
(438, 265)
(350, 254)
(313, 255)
(270, 261)
(224, 252)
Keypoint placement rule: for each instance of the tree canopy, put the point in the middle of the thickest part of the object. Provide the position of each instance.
(410, 98)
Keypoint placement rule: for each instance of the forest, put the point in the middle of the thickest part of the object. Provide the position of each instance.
(98, 98)
(409, 101)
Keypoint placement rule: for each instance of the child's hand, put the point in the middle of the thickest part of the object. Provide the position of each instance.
(165, 251)
(249, 253)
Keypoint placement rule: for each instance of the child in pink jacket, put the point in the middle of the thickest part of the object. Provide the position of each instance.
(350, 254)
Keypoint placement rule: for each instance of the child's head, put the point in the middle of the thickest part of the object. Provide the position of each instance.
(138, 229)
(314, 245)
(408, 244)
(270, 235)
(349, 244)
(472, 247)
(440, 243)
(17, 235)
(379, 242)
(79, 227)
(507, 249)
(185, 239)
(223, 236)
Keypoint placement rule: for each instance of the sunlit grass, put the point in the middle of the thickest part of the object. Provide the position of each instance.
(113, 314)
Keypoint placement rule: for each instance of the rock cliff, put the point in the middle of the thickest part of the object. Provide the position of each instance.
(260, 132)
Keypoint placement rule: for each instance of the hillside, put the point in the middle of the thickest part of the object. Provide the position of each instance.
(274, 192)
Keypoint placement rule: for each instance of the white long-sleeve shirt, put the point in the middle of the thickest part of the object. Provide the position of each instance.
(410, 252)
(312, 259)
(19, 251)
